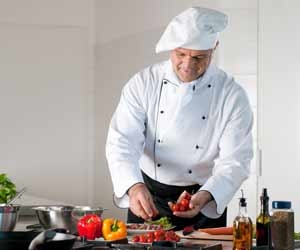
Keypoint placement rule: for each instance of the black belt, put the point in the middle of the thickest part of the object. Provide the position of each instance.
(162, 193)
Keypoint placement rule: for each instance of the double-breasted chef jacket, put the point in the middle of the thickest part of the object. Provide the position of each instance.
(181, 134)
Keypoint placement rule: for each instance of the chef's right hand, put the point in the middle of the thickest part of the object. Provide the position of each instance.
(141, 202)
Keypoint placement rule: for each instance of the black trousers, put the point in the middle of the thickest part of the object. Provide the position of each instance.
(162, 193)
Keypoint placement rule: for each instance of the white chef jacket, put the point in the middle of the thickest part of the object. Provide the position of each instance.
(181, 134)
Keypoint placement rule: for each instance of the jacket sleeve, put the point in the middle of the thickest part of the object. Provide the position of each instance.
(125, 140)
(232, 166)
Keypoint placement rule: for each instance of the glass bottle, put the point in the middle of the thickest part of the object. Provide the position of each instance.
(282, 225)
(263, 222)
(242, 228)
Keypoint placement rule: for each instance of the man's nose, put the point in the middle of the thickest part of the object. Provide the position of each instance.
(189, 61)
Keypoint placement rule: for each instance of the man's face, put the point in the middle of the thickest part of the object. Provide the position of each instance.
(190, 64)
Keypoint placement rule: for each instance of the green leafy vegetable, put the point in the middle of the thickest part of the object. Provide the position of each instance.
(297, 236)
(7, 189)
(163, 221)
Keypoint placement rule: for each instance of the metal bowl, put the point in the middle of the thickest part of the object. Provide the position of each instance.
(9, 215)
(64, 216)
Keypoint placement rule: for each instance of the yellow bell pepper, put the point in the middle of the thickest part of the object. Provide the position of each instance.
(113, 229)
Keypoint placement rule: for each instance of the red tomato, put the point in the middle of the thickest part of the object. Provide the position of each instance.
(159, 232)
(175, 207)
(143, 238)
(188, 196)
(159, 238)
(159, 235)
(136, 238)
(185, 203)
(150, 240)
(168, 234)
(181, 208)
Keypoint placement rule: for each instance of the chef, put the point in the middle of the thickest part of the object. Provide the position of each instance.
(182, 125)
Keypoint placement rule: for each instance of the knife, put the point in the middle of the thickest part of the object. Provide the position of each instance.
(188, 230)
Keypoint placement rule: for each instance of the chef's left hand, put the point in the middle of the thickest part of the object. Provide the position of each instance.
(197, 202)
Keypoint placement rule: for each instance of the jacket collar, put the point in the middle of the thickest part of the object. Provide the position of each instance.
(171, 77)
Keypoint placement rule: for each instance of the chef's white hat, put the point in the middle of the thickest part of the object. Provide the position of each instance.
(195, 28)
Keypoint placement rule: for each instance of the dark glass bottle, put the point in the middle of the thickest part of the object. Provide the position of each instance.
(263, 222)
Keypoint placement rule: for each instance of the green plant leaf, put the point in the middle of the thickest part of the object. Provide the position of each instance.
(7, 188)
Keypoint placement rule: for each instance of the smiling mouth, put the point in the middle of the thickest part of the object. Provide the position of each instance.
(186, 70)
(188, 73)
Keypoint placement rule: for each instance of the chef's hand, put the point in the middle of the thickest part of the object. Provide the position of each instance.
(197, 202)
(140, 202)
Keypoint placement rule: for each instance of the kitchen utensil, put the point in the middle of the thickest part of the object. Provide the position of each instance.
(16, 240)
(64, 216)
(9, 215)
(79, 211)
(83, 246)
(20, 240)
(17, 196)
(188, 230)
(50, 239)
(198, 235)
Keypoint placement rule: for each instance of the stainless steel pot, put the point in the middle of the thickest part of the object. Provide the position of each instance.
(64, 216)
(9, 215)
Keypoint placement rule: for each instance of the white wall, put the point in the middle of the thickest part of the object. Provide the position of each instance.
(63, 64)
(279, 95)
(54, 120)
(46, 98)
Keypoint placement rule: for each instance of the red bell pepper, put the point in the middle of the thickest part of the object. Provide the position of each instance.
(90, 226)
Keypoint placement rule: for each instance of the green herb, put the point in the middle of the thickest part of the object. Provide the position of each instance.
(297, 236)
(7, 189)
(163, 221)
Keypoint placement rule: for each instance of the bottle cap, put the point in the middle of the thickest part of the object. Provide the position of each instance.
(264, 193)
(243, 202)
(281, 204)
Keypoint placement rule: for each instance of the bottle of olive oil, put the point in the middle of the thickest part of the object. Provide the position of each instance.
(263, 222)
(242, 228)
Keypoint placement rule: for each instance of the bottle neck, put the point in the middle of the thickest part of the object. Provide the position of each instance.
(243, 211)
(265, 207)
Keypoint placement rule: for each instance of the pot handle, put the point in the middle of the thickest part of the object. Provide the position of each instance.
(41, 238)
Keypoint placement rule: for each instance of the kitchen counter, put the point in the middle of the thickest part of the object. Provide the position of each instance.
(226, 245)
(25, 220)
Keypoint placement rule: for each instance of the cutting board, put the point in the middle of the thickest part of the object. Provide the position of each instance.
(205, 236)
